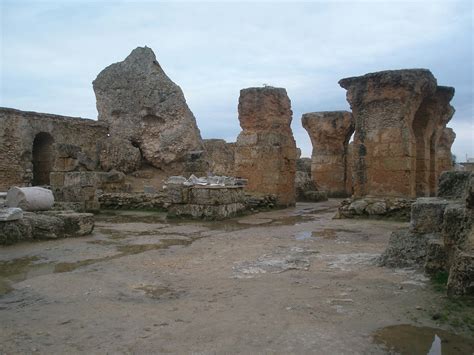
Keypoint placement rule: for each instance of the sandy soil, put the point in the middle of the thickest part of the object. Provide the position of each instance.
(286, 281)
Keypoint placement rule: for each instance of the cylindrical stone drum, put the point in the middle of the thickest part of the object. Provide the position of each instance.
(30, 198)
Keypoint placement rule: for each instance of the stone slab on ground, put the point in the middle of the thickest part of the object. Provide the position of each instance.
(46, 225)
(10, 214)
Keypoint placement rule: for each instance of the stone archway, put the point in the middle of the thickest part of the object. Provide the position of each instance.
(42, 158)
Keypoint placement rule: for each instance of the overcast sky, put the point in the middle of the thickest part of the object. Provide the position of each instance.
(51, 51)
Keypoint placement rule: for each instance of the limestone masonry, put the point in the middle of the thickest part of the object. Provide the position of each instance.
(399, 116)
(265, 151)
(330, 133)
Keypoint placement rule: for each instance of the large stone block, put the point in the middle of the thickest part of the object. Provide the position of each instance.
(454, 184)
(427, 215)
(10, 214)
(461, 276)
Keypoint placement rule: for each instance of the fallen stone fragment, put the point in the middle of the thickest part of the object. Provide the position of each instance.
(10, 214)
(30, 198)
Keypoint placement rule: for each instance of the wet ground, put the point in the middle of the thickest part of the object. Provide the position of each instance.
(286, 281)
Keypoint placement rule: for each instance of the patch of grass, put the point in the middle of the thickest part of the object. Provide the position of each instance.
(457, 312)
(440, 280)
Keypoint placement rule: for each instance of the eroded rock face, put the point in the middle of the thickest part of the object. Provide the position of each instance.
(141, 104)
(119, 154)
(330, 133)
(265, 149)
(397, 114)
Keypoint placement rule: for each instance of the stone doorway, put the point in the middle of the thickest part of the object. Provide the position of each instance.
(42, 158)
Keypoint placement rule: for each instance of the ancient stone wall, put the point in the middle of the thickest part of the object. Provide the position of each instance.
(265, 151)
(221, 156)
(143, 106)
(444, 156)
(330, 133)
(28, 141)
(398, 116)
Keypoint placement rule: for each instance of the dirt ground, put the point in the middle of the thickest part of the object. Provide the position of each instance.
(280, 282)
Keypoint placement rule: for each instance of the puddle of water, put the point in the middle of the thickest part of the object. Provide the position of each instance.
(158, 292)
(117, 216)
(409, 339)
(321, 234)
(21, 269)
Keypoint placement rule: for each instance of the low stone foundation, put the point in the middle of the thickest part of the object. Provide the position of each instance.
(132, 201)
(371, 207)
(207, 202)
(46, 225)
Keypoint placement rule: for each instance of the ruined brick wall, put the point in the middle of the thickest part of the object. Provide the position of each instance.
(265, 149)
(18, 130)
(397, 114)
(330, 132)
(221, 156)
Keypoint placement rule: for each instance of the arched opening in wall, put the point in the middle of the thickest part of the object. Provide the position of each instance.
(42, 158)
(422, 151)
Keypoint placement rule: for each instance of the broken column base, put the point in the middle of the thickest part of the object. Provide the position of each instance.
(376, 208)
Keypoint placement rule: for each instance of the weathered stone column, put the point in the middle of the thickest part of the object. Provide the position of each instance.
(444, 161)
(265, 151)
(436, 111)
(330, 133)
(384, 105)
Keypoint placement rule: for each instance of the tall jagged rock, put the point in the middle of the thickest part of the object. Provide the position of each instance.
(142, 105)
(396, 113)
(330, 132)
(265, 149)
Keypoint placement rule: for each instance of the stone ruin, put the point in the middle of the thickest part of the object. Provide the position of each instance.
(265, 151)
(214, 197)
(399, 117)
(330, 133)
(146, 133)
(441, 235)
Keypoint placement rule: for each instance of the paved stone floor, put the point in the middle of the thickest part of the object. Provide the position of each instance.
(285, 281)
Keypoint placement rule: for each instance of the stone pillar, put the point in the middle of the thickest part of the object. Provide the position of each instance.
(384, 105)
(444, 159)
(439, 113)
(265, 151)
(330, 133)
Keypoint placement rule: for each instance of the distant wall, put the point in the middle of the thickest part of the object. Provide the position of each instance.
(18, 130)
